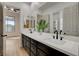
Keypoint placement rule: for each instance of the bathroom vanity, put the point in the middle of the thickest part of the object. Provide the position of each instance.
(45, 45)
(36, 48)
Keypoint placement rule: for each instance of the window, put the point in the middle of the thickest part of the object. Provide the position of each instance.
(9, 24)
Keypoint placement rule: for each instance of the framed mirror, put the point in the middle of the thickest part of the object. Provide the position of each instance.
(29, 22)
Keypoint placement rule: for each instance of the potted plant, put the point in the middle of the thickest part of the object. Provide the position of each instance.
(41, 25)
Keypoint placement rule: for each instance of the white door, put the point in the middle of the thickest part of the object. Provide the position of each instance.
(11, 40)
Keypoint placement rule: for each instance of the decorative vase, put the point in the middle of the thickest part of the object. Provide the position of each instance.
(40, 32)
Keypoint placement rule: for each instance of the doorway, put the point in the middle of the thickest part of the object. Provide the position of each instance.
(11, 28)
(10, 38)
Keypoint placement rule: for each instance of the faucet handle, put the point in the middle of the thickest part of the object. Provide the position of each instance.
(61, 38)
(60, 31)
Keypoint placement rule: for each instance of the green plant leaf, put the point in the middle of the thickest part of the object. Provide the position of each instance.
(41, 25)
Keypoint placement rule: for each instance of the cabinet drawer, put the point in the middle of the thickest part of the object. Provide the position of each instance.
(33, 42)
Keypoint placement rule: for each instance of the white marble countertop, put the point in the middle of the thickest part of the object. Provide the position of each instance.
(66, 46)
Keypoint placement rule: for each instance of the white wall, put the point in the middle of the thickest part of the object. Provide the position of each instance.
(25, 11)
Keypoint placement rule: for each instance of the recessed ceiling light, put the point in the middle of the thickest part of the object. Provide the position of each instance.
(12, 9)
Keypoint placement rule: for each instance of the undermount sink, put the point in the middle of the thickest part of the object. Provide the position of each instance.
(56, 41)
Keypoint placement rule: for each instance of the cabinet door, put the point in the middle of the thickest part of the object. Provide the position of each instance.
(28, 48)
(40, 53)
(25, 43)
(28, 39)
(22, 40)
(28, 44)
(22, 43)
(33, 48)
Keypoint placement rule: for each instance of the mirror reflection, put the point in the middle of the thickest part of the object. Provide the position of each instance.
(67, 20)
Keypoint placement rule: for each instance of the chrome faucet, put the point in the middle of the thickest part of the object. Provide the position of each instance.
(57, 34)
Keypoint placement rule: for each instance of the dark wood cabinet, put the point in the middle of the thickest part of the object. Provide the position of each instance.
(26, 43)
(41, 53)
(36, 48)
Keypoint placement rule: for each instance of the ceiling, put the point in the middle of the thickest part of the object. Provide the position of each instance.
(48, 5)
(19, 4)
(33, 5)
(36, 5)
(13, 4)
